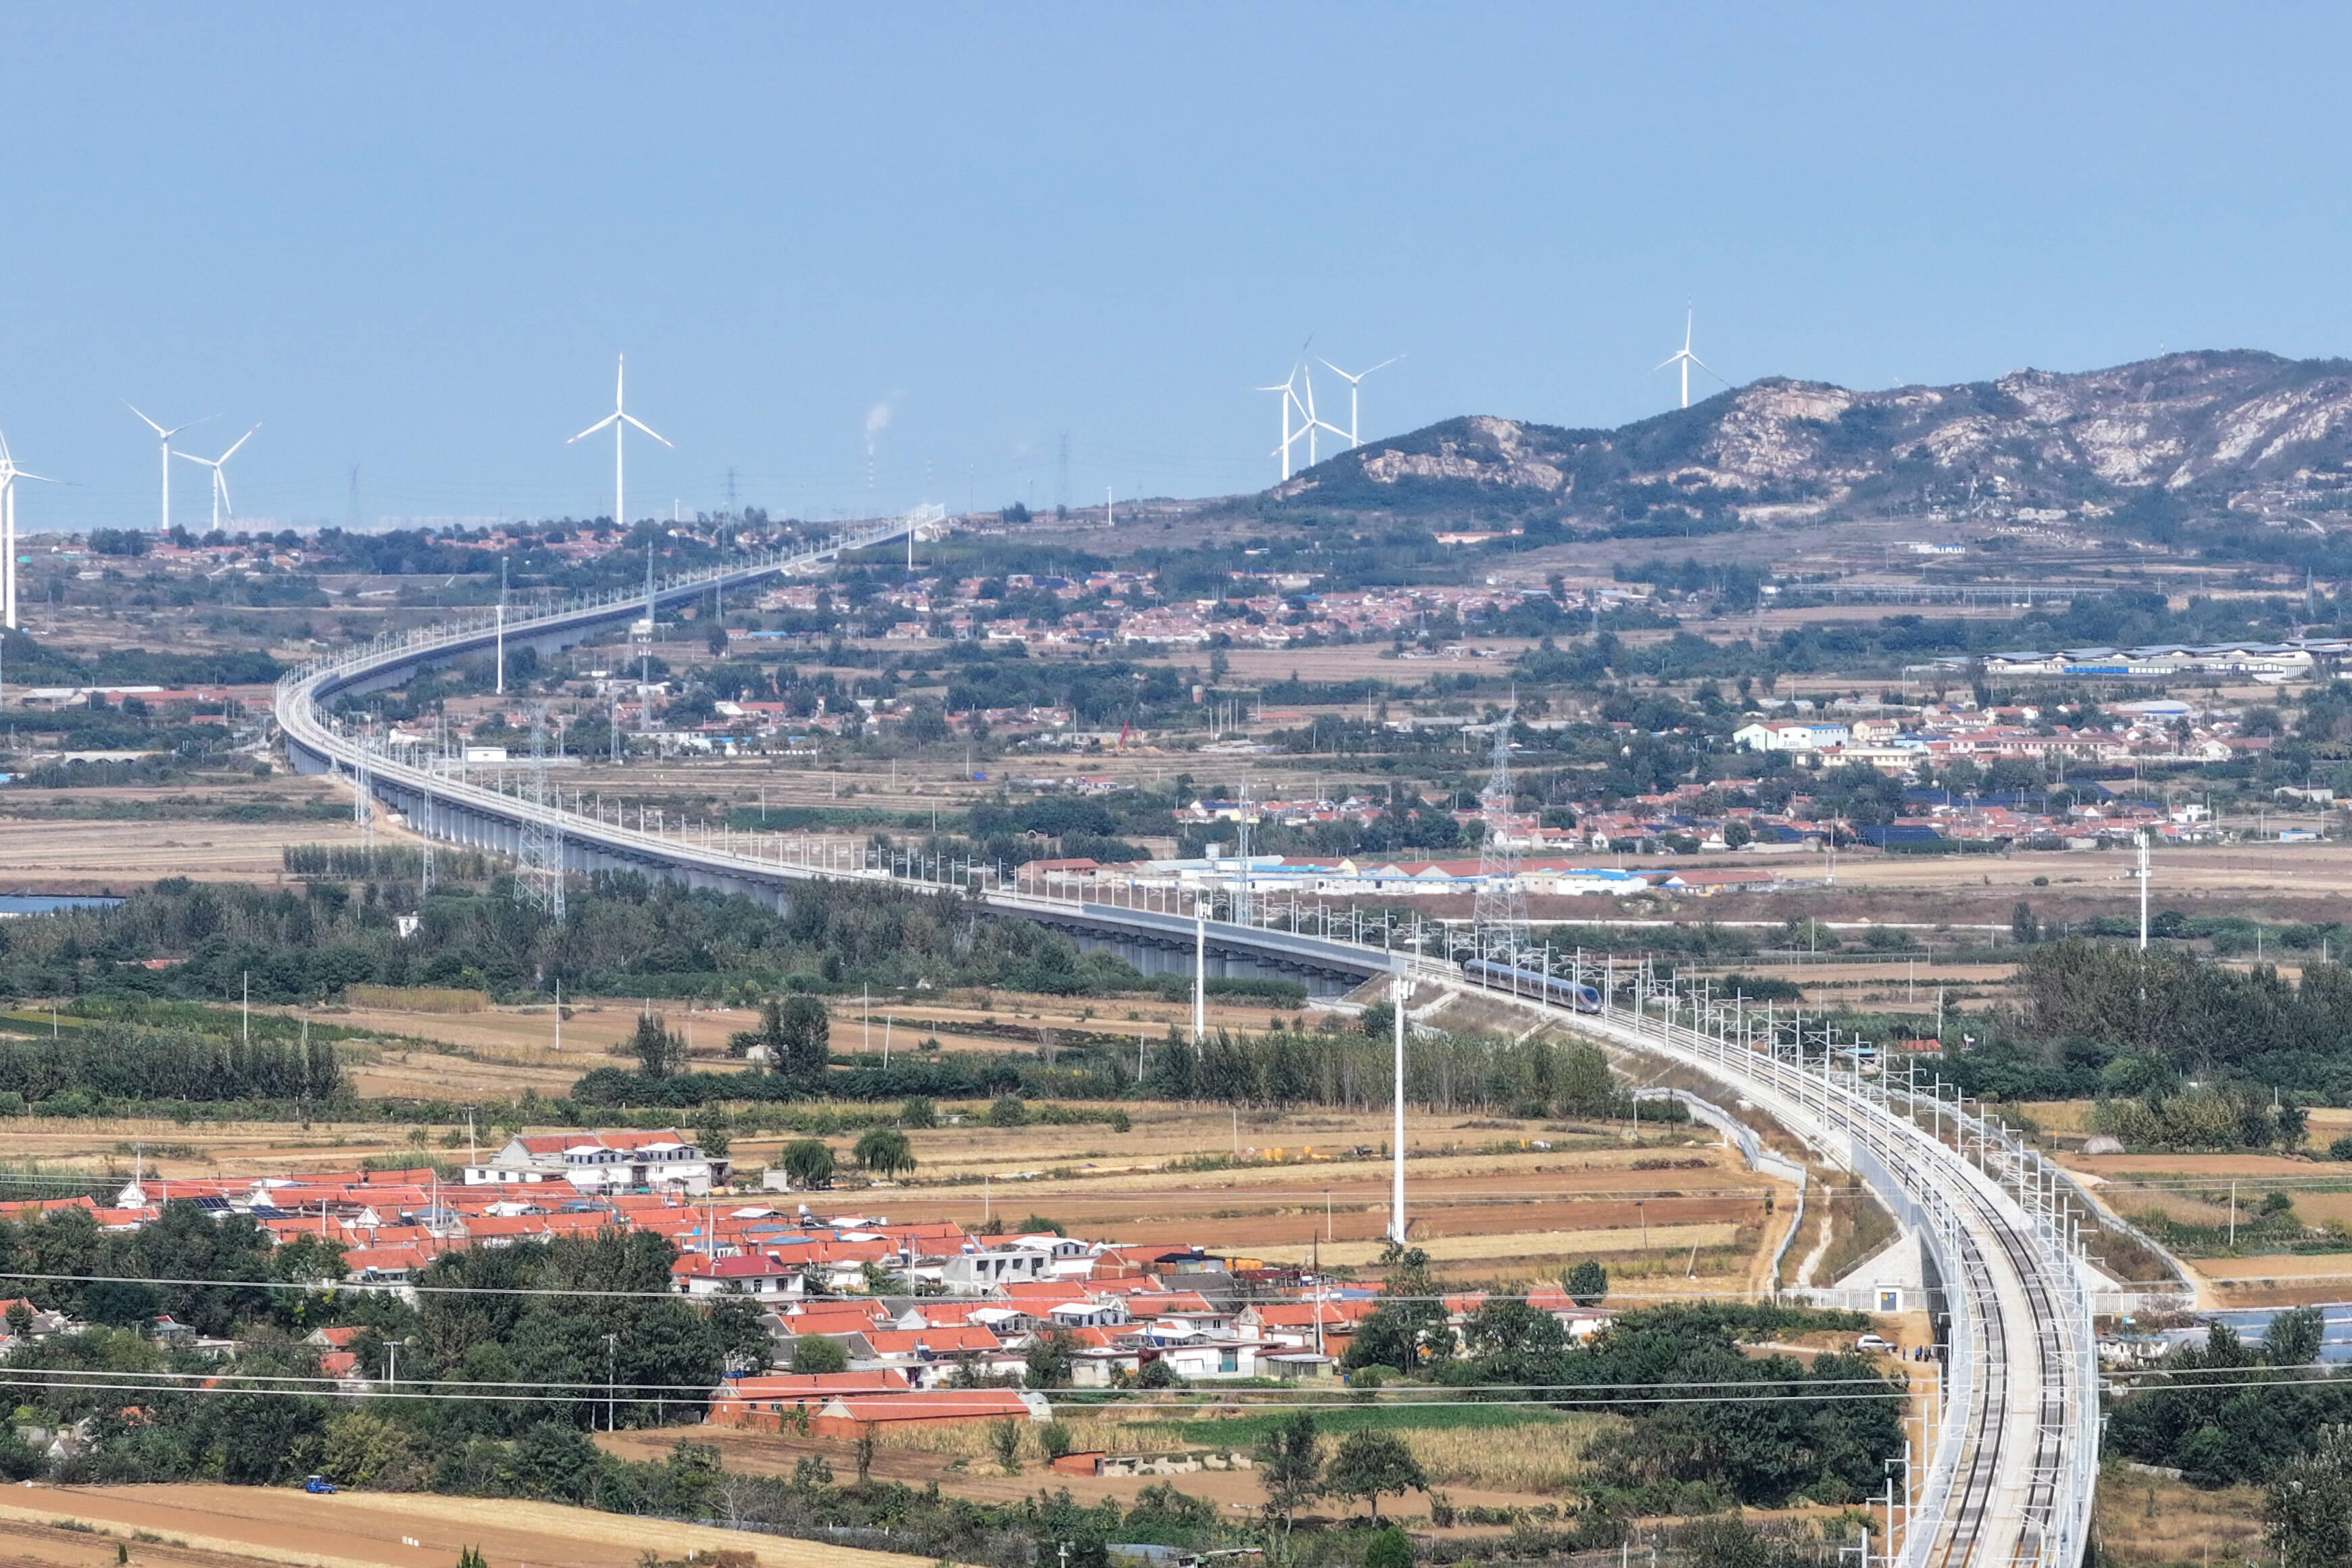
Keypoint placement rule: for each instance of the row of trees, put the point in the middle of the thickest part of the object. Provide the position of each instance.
(2191, 1017)
(1286, 1067)
(74, 1071)
(624, 935)
(1821, 1432)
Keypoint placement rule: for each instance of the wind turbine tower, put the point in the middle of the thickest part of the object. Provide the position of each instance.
(221, 507)
(1354, 383)
(9, 474)
(166, 436)
(1685, 359)
(618, 419)
(1305, 408)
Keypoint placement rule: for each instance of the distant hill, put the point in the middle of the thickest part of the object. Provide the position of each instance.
(2239, 436)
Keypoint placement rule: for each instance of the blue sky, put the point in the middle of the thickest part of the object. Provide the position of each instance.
(414, 238)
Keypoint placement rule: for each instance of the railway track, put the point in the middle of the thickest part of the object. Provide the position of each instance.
(2004, 1481)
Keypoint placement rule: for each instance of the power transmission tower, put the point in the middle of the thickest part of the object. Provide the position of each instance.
(352, 525)
(1501, 913)
(541, 850)
(731, 513)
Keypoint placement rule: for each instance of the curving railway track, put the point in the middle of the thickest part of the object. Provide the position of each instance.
(2005, 1477)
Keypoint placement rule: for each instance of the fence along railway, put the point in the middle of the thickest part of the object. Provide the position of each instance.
(2009, 1460)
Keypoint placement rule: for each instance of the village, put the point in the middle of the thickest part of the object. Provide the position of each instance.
(932, 1324)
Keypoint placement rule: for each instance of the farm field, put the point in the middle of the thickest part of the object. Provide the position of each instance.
(2151, 1521)
(1492, 1458)
(212, 1526)
(1484, 1202)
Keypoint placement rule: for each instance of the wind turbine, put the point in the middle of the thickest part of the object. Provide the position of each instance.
(1683, 357)
(1288, 387)
(167, 435)
(1353, 383)
(220, 478)
(617, 419)
(9, 474)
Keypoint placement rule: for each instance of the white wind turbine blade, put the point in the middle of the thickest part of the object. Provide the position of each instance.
(220, 483)
(648, 429)
(596, 426)
(240, 441)
(1352, 379)
(1675, 358)
(148, 423)
(191, 456)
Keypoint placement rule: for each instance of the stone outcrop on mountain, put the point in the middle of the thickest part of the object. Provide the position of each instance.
(2163, 441)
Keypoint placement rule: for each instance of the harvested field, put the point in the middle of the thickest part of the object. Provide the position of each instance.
(364, 1530)
(2150, 1521)
(1542, 1458)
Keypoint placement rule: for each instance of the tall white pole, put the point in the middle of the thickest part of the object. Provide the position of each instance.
(502, 626)
(2144, 887)
(1396, 1134)
(167, 490)
(620, 510)
(8, 546)
(1200, 973)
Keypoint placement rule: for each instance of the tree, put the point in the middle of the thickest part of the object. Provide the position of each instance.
(816, 1353)
(885, 1152)
(808, 1163)
(1052, 1357)
(1586, 1283)
(1392, 1548)
(712, 1131)
(471, 1557)
(802, 1029)
(1408, 1326)
(1004, 1442)
(918, 1112)
(1372, 1462)
(1289, 1461)
(2024, 928)
(1008, 1112)
(2307, 1512)
(1737, 834)
(660, 1053)
(2293, 1337)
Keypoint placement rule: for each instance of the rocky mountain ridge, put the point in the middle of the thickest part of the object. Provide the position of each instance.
(2163, 442)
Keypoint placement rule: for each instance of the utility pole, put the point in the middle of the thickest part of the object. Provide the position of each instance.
(1199, 974)
(502, 626)
(2144, 835)
(1396, 1134)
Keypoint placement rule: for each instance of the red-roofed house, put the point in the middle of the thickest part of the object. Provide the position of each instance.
(603, 1162)
(849, 1417)
(767, 1403)
(748, 1274)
